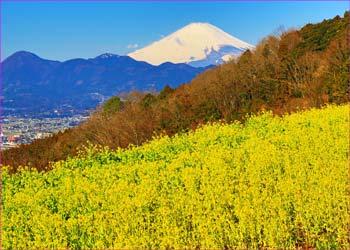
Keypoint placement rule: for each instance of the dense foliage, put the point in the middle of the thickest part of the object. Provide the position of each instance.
(317, 37)
(112, 105)
(273, 182)
(295, 70)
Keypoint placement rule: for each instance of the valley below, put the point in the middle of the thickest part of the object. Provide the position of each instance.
(23, 130)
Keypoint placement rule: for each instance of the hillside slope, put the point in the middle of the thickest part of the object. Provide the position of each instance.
(284, 73)
(273, 182)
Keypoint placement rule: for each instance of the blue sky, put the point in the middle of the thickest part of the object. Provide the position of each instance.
(65, 30)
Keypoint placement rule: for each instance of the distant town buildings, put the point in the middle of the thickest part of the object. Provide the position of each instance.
(16, 131)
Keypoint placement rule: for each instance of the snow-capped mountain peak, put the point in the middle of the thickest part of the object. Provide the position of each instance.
(198, 44)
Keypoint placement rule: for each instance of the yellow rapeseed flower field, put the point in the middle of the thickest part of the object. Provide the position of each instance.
(272, 182)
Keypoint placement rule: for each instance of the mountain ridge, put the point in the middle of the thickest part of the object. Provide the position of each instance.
(33, 85)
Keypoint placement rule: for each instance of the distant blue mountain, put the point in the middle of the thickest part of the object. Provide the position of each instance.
(32, 85)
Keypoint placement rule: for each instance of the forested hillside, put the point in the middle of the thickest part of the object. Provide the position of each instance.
(297, 69)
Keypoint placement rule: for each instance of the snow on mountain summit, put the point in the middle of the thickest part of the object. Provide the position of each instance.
(198, 44)
(106, 56)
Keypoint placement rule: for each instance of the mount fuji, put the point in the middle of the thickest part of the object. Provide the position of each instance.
(197, 44)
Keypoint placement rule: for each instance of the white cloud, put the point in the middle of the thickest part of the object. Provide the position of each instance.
(132, 46)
